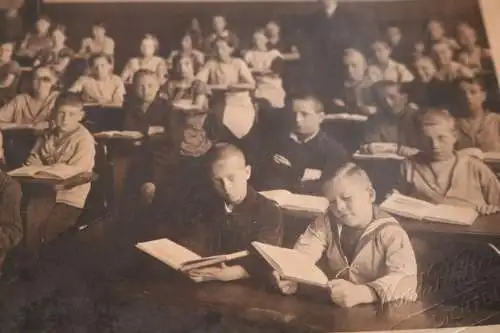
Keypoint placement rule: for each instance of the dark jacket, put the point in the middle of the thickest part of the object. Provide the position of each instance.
(321, 153)
(255, 219)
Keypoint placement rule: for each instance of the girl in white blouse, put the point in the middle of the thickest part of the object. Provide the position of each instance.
(230, 81)
(98, 43)
(101, 86)
(147, 61)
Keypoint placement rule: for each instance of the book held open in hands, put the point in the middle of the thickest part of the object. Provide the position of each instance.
(135, 135)
(298, 203)
(182, 259)
(56, 171)
(417, 209)
(292, 265)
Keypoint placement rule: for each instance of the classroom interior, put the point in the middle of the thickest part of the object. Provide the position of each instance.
(93, 279)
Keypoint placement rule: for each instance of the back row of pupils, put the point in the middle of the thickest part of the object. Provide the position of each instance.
(294, 153)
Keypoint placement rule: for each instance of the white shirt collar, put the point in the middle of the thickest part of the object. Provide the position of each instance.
(295, 138)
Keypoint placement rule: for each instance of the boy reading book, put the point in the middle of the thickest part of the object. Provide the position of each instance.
(240, 215)
(298, 157)
(368, 253)
(439, 175)
(67, 143)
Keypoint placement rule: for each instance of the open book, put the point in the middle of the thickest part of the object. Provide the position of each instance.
(346, 116)
(421, 210)
(491, 157)
(292, 265)
(358, 155)
(56, 171)
(182, 259)
(297, 202)
(119, 135)
(15, 126)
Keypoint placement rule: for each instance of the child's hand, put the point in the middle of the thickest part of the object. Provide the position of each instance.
(152, 130)
(407, 151)
(216, 273)
(286, 287)
(281, 160)
(487, 209)
(148, 191)
(344, 293)
(311, 175)
(338, 102)
(41, 126)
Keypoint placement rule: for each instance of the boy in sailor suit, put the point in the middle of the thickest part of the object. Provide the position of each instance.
(368, 253)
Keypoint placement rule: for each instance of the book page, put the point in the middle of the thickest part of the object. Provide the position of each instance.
(168, 252)
(383, 156)
(452, 214)
(26, 171)
(292, 264)
(57, 171)
(406, 206)
(491, 157)
(308, 203)
(280, 196)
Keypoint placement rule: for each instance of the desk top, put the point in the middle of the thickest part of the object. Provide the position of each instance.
(80, 179)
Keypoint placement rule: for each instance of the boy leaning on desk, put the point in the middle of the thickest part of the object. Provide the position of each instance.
(367, 250)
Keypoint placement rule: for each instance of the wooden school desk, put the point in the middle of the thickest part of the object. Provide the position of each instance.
(18, 142)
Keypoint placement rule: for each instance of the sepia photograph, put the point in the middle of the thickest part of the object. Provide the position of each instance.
(242, 166)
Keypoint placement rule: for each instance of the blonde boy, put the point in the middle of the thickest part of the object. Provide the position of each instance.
(368, 253)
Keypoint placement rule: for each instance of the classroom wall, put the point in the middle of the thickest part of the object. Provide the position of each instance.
(129, 21)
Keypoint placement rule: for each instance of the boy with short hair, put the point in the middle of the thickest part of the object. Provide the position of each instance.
(397, 120)
(448, 69)
(385, 67)
(369, 255)
(68, 143)
(240, 216)
(357, 96)
(477, 126)
(10, 71)
(299, 157)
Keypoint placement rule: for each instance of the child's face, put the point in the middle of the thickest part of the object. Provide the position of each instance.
(260, 41)
(223, 50)
(425, 70)
(102, 68)
(381, 51)
(6, 51)
(306, 120)
(68, 117)
(98, 31)
(187, 43)
(356, 67)
(443, 53)
(393, 98)
(42, 26)
(230, 178)
(148, 47)
(394, 35)
(146, 88)
(466, 36)
(351, 200)
(219, 24)
(439, 141)
(186, 68)
(58, 37)
(435, 30)
(272, 29)
(43, 81)
(473, 96)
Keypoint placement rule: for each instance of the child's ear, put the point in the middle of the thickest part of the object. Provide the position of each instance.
(321, 117)
(248, 171)
(373, 194)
